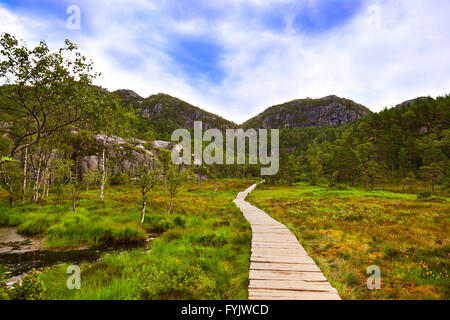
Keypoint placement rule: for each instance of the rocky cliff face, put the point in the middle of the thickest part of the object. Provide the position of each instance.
(330, 110)
(172, 112)
(125, 154)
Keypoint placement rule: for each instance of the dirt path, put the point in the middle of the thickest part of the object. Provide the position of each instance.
(280, 268)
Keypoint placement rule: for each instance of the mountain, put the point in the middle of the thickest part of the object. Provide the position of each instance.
(164, 113)
(330, 110)
(410, 102)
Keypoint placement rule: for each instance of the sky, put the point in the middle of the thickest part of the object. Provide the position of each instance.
(235, 58)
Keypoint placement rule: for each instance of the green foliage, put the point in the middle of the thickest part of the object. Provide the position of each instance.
(175, 177)
(4, 290)
(176, 281)
(41, 92)
(31, 287)
(392, 145)
(10, 179)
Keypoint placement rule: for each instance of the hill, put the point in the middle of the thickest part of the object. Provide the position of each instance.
(163, 114)
(330, 110)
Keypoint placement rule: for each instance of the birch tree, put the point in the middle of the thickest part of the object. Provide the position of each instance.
(175, 177)
(146, 178)
(45, 91)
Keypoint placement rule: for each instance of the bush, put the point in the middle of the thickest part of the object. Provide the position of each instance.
(164, 225)
(179, 221)
(4, 291)
(4, 218)
(30, 288)
(423, 195)
(176, 281)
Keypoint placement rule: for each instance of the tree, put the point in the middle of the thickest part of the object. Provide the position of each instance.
(175, 177)
(146, 177)
(109, 117)
(409, 180)
(63, 173)
(10, 176)
(371, 173)
(91, 176)
(404, 162)
(432, 172)
(45, 92)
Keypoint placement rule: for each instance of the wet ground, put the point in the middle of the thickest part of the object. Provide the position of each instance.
(20, 254)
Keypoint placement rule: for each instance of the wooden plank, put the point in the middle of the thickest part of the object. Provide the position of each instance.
(291, 260)
(296, 285)
(283, 275)
(264, 294)
(283, 266)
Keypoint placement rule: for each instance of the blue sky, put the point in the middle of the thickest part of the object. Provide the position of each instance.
(237, 57)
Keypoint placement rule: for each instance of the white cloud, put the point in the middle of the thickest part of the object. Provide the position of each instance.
(378, 58)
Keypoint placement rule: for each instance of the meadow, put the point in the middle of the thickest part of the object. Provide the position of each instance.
(202, 251)
(346, 231)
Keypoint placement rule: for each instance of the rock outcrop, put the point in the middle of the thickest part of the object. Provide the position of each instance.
(330, 110)
(165, 111)
(410, 102)
(125, 154)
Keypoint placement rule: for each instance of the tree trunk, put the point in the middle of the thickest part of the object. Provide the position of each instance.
(102, 187)
(36, 183)
(48, 186)
(144, 205)
(24, 180)
(44, 184)
(74, 206)
(170, 207)
(11, 196)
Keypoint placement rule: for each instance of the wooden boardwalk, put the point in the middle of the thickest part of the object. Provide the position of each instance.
(280, 268)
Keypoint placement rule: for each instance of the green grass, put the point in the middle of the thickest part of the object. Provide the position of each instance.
(203, 252)
(346, 231)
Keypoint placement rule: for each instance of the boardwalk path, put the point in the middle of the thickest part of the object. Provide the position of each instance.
(279, 266)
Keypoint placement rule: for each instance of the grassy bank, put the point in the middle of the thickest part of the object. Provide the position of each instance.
(346, 231)
(203, 252)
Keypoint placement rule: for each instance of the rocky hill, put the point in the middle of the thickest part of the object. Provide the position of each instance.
(165, 113)
(330, 110)
(411, 102)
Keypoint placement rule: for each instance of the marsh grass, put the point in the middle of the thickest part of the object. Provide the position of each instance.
(347, 231)
(202, 253)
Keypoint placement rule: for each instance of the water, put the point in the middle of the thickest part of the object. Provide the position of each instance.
(21, 254)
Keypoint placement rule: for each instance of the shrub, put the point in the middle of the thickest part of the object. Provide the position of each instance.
(30, 288)
(179, 221)
(175, 281)
(164, 225)
(4, 219)
(423, 195)
(4, 291)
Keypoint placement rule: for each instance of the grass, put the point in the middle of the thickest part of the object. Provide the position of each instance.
(346, 231)
(203, 252)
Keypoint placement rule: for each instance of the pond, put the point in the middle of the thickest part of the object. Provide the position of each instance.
(20, 254)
